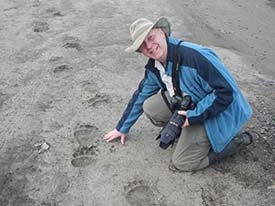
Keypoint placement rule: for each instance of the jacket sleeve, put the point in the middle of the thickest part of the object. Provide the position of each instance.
(147, 87)
(212, 77)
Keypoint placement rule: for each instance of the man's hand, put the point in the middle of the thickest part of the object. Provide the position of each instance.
(114, 135)
(186, 122)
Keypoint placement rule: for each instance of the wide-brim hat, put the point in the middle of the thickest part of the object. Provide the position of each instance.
(141, 28)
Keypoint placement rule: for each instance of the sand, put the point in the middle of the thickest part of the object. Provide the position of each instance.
(65, 80)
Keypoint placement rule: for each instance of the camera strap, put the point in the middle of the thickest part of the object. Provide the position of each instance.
(175, 71)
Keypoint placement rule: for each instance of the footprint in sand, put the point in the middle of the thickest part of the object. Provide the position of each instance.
(91, 95)
(40, 26)
(84, 156)
(140, 194)
(87, 137)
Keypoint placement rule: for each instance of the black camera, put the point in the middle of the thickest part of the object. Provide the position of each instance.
(171, 131)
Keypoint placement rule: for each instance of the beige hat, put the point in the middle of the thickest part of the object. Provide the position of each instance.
(141, 28)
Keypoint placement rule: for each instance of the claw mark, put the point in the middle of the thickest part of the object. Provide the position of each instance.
(55, 58)
(72, 42)
(62, 68)
(54, 12)
(40, 26)
(74, 45)
(96, 99)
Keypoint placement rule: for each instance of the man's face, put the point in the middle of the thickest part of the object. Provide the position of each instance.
(154, 45)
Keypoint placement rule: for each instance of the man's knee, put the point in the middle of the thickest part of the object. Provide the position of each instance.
(150, 106)
(154, 121)
(186, 166)
(187, 163)
(151, 111)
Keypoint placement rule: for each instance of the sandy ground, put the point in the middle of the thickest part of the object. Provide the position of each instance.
(65, 79)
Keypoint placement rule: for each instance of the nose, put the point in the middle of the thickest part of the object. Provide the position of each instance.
(148, 44)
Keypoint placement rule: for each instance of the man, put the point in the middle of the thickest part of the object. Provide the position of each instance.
(210, 131)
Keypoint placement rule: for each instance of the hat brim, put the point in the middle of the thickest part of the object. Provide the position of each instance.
(137, 43)
(164, 24)
(160, 23)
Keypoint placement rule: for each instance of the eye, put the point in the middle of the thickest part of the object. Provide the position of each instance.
(152, 38)
(141, 47)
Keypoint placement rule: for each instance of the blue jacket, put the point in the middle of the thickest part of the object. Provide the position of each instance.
(221, 106)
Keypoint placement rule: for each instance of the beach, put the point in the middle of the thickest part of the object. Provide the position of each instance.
(66, 79)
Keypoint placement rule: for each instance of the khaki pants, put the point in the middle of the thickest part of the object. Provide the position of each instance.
(192, 147)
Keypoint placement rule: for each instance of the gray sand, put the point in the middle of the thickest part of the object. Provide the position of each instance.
(65, 80)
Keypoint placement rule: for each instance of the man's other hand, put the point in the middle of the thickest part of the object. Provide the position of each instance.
(114, 135)
(186, 122)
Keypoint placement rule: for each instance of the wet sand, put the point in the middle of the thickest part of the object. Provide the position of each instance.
(65, 79)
